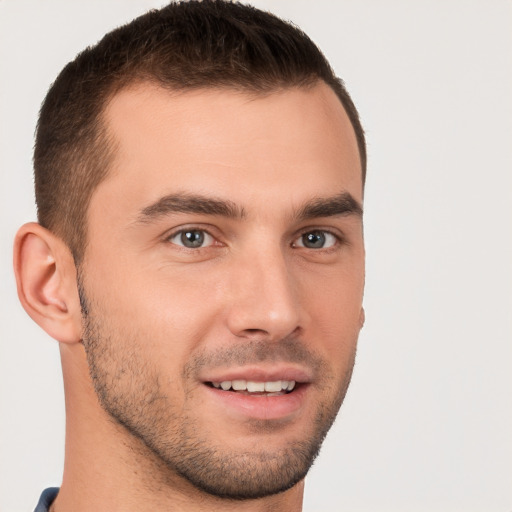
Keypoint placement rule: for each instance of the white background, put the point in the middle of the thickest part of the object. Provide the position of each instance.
(427, 423)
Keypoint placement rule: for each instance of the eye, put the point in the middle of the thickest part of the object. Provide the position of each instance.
(192, 238)
(316, 240)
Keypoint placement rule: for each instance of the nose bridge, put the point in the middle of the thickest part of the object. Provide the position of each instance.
(265, 299)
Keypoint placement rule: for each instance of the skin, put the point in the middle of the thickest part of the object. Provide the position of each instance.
(164, 319)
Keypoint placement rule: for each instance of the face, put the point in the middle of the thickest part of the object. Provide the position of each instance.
(223, 280)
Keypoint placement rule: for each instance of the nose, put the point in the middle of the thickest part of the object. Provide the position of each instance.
(264, 298)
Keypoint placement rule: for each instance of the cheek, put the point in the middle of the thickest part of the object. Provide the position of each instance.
(167, 312)
(334, 303)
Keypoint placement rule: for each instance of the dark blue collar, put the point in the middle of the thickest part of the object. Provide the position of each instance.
(46, 499)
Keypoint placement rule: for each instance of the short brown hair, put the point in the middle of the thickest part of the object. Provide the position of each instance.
(185, 45)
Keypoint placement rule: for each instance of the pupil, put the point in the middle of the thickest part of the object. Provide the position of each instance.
(192, 238)
(314, 240)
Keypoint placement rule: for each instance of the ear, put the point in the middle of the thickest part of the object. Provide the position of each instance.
(362, 318)
(46, 280)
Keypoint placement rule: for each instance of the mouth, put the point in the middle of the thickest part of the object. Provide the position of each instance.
(256, 388)
(278, 393)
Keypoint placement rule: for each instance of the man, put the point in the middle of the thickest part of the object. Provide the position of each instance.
(199, 257)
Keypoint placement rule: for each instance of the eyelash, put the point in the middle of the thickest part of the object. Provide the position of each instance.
(173, 235)
(337, 238)
(326, 233)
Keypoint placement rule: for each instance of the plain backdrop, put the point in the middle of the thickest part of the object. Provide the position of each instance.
(427, 423)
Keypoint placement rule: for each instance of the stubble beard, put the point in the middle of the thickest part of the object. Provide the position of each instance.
(130, 391)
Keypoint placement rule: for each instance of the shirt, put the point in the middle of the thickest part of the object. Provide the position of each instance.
(46, 499)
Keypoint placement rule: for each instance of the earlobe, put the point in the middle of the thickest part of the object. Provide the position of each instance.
(46, 281)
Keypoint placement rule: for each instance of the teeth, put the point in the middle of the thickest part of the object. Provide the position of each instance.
(272, 387)
(255, 387)
(239, 385)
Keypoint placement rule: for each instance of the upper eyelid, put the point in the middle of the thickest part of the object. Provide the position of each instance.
(170, 233)
(340, 239)
(337, 233)
(187, 230)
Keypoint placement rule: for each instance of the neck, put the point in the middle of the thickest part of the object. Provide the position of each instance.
(107, 469)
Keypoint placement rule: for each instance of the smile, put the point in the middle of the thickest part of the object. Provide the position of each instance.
(259, 397)
(269, 388)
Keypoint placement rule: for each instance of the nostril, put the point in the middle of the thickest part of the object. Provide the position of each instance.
(254, 334)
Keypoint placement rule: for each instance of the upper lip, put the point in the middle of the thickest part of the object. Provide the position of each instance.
(258, 373)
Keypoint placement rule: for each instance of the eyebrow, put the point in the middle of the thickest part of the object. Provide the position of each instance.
(190, 203)
(341, 204)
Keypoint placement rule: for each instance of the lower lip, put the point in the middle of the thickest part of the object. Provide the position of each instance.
(261, 407)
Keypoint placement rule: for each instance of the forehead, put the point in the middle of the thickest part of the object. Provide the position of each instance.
(289, 143)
